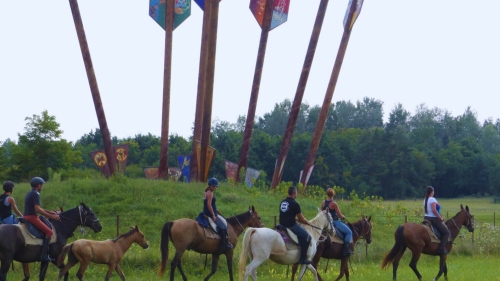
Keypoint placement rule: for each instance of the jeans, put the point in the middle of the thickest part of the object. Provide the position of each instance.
(342, 227)
(219, 223)
(442, 228)
(10, 220)
(302, 235)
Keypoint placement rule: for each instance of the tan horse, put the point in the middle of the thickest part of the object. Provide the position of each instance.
(188, 234)
(108, 252)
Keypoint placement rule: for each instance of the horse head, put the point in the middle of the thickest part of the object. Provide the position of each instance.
(88, 218)
(467, 218)
(139, 238)
(255, 221)
(323, 221)
(366, 229)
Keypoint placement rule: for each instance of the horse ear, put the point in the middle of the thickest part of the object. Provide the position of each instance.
(253, 209)
(370, 218)
(461, 207)
(136, 227)
(467, 208)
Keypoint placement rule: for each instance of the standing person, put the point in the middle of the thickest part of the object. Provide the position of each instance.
(210, 210)
(289, 210)
(31, 210)
(334, 210)
(433, 216)
(7, 203)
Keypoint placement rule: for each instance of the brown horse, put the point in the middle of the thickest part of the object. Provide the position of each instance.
(417, 239)
(108, 252)
(188, 234)
(333, 250)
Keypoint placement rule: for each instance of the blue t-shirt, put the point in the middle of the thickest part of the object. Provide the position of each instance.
(32, 199)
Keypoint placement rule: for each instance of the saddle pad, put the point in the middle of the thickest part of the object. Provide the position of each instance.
(30, 240)
(292, 236)
(209, 233)
(212, 223)
(336, 239)
(290, 245)
(432, 234)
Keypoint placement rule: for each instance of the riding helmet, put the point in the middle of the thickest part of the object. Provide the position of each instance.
(213, 181)
(7, 186)
(36, 181)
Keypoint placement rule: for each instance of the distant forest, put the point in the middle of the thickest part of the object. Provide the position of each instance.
(458, 155)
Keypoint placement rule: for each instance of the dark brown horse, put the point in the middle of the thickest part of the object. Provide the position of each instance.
(12, 244)
(188, 234)
(333, 250)
(417, 239)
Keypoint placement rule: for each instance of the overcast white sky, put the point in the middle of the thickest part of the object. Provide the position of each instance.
(442, 53)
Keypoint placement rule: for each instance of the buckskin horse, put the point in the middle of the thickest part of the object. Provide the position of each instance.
(188, 234)
(14, 248)
(417, 239)
(333, 250)
(262, 244)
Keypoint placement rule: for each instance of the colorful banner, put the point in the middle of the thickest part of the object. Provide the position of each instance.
(182, 11)
(100, 159)
(231, 169)
(258, 7)
(251, 176)
(355, 16)
(175, 174)
(152, 173)
(208, 160)
(280, 11)
(308, 175)
(121, 154)
(185, 165)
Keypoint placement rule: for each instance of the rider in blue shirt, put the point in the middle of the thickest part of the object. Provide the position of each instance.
(7, 203)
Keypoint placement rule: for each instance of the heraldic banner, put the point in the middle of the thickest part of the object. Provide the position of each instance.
(185, 165)
(100, 159)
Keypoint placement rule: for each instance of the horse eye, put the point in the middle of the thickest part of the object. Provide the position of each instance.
(142, 236)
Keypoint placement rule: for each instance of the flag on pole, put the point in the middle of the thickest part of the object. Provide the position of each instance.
(182, 11)
(359, 5)
(280, 11)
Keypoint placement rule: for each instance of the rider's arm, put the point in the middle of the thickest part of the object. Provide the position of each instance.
(38, 209)
(302, 219)
(322, 205)
(12, 202)
(335, 206)
(209, 205)
(433, 208)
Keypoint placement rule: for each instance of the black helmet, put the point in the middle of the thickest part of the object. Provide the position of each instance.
(7, 186)
(36, 181)
(213, 181)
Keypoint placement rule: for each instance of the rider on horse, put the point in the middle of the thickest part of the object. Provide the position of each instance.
(434, 217)
(334, 210)
(7, 203)
(210, 210)
(31, 210)
(289, 209)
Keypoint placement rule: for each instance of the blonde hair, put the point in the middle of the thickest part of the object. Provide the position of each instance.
(330, 192)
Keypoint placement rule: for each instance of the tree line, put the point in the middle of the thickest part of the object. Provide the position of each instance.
(458, 155)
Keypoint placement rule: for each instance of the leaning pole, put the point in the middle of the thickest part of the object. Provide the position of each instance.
(94, 89)
(294, 113)
(167, 75)
(353, 11)
(213, 6)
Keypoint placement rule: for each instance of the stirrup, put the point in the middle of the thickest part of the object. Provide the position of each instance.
(47, 259)
(304, 262)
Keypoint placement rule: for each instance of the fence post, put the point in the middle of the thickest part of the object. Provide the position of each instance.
(274, 221)
(494, 219)
(117, 225)
(472, 240)
(366, 244)
(447, 215)
(406, 220)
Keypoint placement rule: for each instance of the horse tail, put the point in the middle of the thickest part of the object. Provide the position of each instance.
(62, 255)
(245, 251)
(165, 234)
(399, 246)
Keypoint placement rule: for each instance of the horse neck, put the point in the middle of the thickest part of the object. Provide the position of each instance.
(243, 220)
(125, 242)
(455, 229)
(355, 234)
(315, 233)
(70, 220)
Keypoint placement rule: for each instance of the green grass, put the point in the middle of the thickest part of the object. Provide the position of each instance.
(149, 204)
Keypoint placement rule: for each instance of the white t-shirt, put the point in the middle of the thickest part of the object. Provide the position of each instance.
(429, 212)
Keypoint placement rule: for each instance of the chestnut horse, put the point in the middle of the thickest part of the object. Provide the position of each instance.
(188, 234)
(333, 250)
(417, 239)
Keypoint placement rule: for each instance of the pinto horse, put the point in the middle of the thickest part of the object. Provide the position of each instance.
(14, 248)
(262, 244)
(333, 250)
(417, 239)
(188, 234)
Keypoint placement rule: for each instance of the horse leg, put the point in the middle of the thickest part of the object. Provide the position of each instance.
(252, 269)
(43, 270)
(5, 268)
(413, 263)
(120, 272)
(442, 264)
(315, 265)
(26, 270)
(313, 270)
(215, 261)
(175, 261)
(81, 271)
(343, 263)
(395, 263)
(64, 269)
(302, 271)
(294, 270)
(179, 266)
(445, 271)
(229, 259)
(111, 268)
(346, 269)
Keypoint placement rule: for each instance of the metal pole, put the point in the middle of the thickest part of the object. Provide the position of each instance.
(94, 89)
(167, 71)
(213, 5)
(294, 113)
(117, 225)
(320, 124)
(259, 66)
(202, 75)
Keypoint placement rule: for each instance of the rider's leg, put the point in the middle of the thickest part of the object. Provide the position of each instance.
(342, 227)
(304, 241)
(224, 244)
(445, 234)
(44, 255)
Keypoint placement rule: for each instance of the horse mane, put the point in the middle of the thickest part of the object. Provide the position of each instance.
(454, 216)
(239, 218)
(318, 216)
(130, 232)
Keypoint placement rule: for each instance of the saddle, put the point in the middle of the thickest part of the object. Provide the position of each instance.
(433, 232)
(212, 225)
(35, 232)
(287, 235)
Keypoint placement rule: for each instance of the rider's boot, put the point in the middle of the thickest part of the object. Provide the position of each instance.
(224, 244)
(303, 254)
(347, 250)
(44, 255)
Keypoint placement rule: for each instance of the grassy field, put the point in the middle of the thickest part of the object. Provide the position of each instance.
(149, 204)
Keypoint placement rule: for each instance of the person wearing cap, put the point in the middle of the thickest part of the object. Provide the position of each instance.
(31, 210)
(7, 203)
(210, 210)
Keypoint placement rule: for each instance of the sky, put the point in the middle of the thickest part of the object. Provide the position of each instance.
(441, 53)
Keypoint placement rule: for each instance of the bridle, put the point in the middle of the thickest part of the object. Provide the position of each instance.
(253, 223)
(368, 233)
(82, 222)
(469, 225)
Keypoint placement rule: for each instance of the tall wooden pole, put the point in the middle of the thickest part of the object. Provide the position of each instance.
(209, 84)
(320, 125)
(94, 89)
(167, 75)
(294, 113)
(202, 75)
(259, 66)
